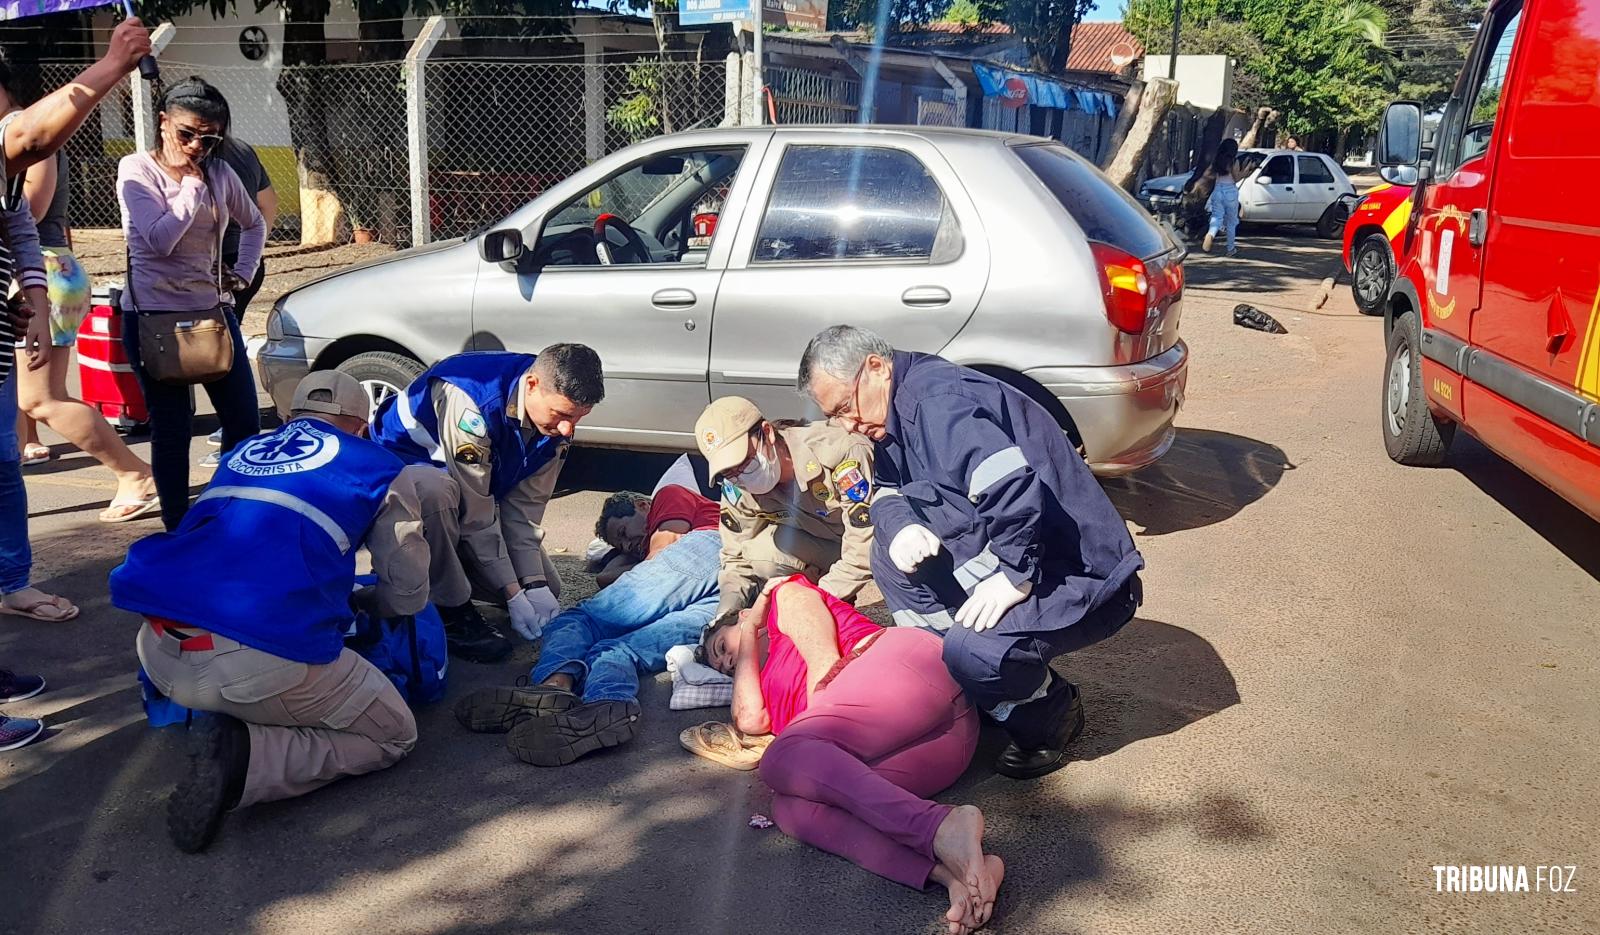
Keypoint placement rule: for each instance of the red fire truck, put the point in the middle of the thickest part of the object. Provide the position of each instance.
(1493, 322)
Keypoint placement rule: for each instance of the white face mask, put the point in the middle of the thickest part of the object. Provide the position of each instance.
(762, 474)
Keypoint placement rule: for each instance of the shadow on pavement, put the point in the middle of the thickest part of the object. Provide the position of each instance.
(1205, 478)
(1560, 523)
(1267, 263)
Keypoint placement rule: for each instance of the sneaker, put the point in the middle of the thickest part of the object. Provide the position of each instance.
(1234, 252)
(18, 731)
(219, 759)
(1207, 242)
(215, 439)
(561, 738)
(499, 710)
(212, 460)
(14, 687)
(470, 637)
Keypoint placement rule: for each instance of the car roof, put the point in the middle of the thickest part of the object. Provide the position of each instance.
(1284, 152)
(930, 133)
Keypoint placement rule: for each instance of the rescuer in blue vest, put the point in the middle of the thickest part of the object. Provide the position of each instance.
(987, 528)
(497, 426)
(247, 602)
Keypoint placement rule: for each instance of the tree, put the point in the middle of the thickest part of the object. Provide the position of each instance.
(1045, 26)
(963, 13)
(1430, 40)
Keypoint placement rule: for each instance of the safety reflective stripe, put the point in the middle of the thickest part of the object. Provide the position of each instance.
(994, 467)
(884, 493)
(286, 500)
(1003, 710)
(940, 621)
(415, 429)
(976, 569)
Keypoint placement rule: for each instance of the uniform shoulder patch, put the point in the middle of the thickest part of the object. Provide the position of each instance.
(860, 516)
(729, 521)
(851, 482)
(472, 423)
(471, 454)
(731, 492)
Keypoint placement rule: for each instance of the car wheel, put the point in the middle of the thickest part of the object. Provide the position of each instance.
(1331, 224)
(1371, 274)
(1411, 433)
(382, 374)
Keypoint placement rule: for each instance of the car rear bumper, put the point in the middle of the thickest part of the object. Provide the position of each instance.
(1124, 413)
(282, 364)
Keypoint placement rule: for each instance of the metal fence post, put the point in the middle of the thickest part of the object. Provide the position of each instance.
(417, 126)
(144, 118)
(594, 99)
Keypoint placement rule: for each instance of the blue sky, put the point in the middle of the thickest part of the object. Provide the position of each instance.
(1104, 9)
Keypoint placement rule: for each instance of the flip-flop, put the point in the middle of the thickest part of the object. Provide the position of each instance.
(142, 507)
(722, 743)
(41, 455)
(69, 611)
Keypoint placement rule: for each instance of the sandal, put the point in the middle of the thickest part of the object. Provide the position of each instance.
(724, 744)
(135, 506)
(63, 609)
(36, 454)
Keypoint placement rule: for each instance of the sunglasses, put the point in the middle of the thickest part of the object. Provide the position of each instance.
(187, 136)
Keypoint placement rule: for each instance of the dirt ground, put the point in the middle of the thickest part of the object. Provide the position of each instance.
(1345, 673)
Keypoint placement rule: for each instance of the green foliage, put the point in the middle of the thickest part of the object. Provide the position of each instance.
(865, 14)
(963, 13)
(638, 116)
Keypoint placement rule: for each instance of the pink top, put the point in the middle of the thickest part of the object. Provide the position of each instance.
(784, 677)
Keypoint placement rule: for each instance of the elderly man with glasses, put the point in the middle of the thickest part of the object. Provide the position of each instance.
(990, 529)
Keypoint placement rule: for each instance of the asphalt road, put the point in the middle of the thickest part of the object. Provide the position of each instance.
(1345, 673)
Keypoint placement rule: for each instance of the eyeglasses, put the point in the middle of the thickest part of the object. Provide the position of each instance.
(851, 409)
(187, 136)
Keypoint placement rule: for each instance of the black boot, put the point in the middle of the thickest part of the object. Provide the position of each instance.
(470, 637)
(499, 710)
(219, 759)
(1040, 732)
(561, 738)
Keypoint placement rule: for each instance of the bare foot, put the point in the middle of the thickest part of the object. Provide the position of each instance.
(994, 871)
(959, 919)
(958, 844)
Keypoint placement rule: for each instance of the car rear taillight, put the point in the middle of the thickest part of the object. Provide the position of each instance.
(1130, 288)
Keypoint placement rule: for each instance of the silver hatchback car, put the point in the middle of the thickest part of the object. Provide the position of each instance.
(698, 265)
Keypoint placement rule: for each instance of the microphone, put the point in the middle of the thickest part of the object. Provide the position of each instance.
(148, 69)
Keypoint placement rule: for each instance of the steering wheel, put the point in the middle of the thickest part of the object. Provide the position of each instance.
(603, 247)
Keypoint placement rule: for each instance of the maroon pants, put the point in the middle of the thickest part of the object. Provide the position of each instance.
(852, 772)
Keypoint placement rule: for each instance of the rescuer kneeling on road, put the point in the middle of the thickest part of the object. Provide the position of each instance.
(260, 642)
(988, 528)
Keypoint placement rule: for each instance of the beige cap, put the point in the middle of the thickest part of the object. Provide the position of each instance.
(721, 430)
(345, 397)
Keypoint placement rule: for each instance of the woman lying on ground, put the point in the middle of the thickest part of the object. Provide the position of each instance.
(868, 724)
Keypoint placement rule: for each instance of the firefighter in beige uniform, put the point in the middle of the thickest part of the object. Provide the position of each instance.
(794, 501)
(499, 426)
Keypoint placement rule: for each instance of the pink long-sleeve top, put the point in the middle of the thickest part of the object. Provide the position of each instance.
(174, 233)
(785, 676)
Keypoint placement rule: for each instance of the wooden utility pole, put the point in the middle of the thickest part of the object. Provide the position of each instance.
(1159, 95)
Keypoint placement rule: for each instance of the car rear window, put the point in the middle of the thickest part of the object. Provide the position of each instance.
(1105, 212)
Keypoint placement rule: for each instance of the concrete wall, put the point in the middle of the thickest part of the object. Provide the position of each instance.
(1204, 81)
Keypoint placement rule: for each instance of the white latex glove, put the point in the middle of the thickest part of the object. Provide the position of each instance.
(912, 546)
(990, 600)
(530, 610)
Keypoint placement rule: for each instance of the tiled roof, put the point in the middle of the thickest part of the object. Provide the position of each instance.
(1092, 43)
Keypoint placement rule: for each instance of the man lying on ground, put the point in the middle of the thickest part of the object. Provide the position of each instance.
(869, 723)
(638, 527)
(585, 695)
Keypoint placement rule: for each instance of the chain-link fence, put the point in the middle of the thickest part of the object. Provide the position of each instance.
(92, 153)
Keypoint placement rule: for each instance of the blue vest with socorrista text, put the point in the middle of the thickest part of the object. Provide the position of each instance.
(267, 555)
(408, 425)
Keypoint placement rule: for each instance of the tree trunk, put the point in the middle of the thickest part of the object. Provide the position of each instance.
(1063, 44)
(1130, 110)
(299, 84)
(1159, 95)
(1339, 148)
(1265, 117)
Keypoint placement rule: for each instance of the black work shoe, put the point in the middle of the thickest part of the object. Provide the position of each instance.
(1035, 760)
(498, 710)
(219, 758)
(559, 739)
(470, 637)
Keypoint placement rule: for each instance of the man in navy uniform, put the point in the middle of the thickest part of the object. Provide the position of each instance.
(988, 527)
(247, 602)
(496, 426)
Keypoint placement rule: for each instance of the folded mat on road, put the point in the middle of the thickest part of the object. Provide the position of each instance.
(695, 684)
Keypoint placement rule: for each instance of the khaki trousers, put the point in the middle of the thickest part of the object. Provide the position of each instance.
(309, 724)
(448, 582)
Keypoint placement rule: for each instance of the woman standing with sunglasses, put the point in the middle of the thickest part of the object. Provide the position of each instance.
(176, 204)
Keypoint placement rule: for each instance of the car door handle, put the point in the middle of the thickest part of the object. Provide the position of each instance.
(926, 296)
(673, 298)
(1288, 188)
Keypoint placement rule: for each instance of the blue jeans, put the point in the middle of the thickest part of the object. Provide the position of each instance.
(605, 642)
(16, 558)
(172, 418)
(1224, 205)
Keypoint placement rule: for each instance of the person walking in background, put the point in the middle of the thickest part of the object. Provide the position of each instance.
(42, 394)
(242, 159)
(176, 202)
(1223, 204)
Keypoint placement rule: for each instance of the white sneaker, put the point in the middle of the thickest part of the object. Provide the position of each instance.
(215, 439)
(212, 460)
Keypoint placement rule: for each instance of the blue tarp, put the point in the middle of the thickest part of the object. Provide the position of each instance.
(1045, 92)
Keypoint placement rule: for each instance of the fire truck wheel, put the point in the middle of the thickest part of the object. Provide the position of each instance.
(1411, 433)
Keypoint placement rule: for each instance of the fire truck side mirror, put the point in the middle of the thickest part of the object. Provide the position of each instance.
(1400, 136)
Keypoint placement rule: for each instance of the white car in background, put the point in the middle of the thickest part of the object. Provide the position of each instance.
(1284, 186)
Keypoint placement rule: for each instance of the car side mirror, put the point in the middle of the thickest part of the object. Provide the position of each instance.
(504, 247)
(1263, 180)
(1400, 135)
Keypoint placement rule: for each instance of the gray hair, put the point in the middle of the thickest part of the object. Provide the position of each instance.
(840, 352)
